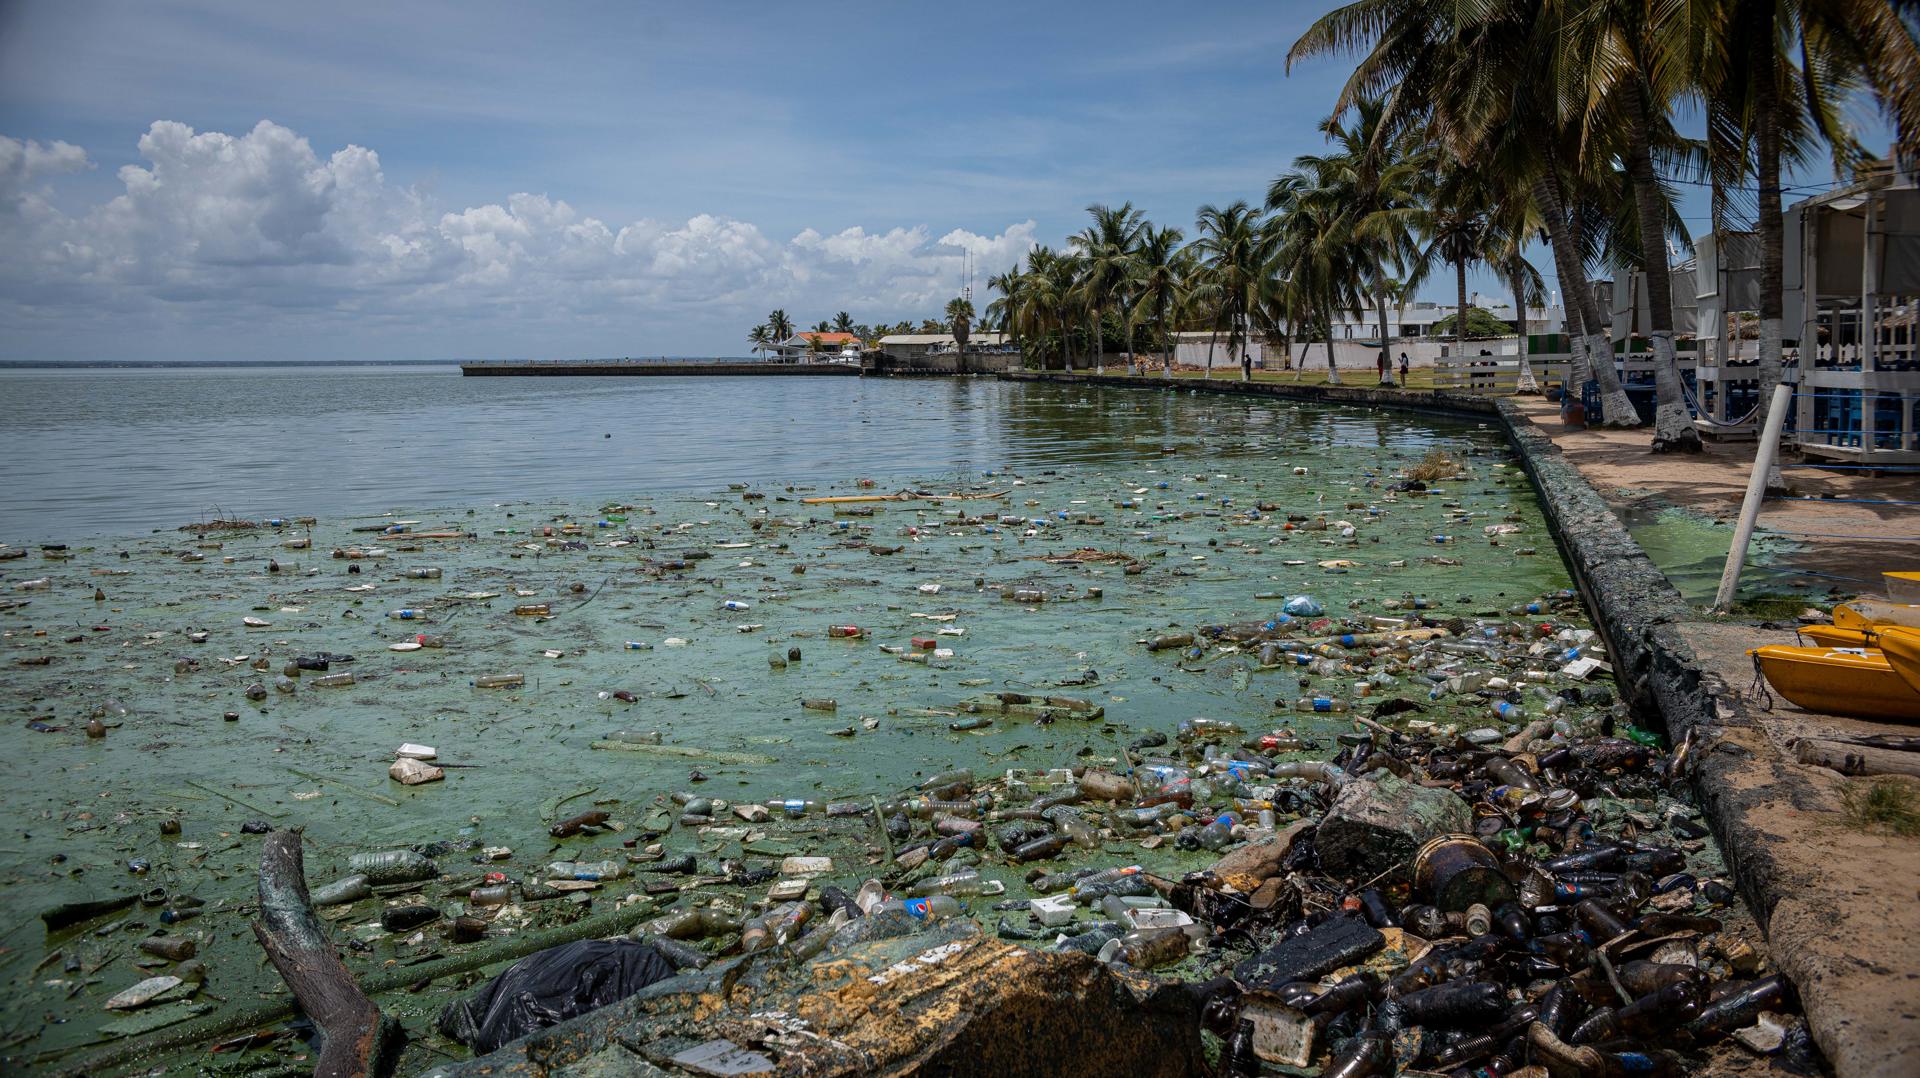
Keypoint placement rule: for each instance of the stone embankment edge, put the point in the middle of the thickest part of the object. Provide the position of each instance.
(1639, 613)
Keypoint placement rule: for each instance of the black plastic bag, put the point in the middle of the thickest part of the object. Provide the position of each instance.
(550, 987)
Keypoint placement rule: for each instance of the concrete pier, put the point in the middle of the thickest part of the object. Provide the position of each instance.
(658, 369)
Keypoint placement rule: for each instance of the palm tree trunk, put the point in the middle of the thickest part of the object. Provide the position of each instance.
(1460, 309)
(1099, 342)
(1386, 359)
(1212, 339)
(1525, 384)
(1766, 119)
(1133, 367)
(1333, 366)
(1166, 340)
(1673, 429)
(1592, 357)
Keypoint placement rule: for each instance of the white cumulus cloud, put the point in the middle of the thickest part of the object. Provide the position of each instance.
(259, 229)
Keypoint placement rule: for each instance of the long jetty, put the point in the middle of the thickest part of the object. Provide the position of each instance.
(656, 368)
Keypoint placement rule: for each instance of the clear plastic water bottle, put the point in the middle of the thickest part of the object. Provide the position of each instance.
(930, 908)
(407, 614)
(1217, 834)
(959, 883)
(586, 870)
(393, 866)
(1321, 704)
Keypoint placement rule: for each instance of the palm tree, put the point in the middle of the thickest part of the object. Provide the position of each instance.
(1512, 225)
(1107, 249)
(779, 327)
(843, 323)
(960, 324)
(1482, 81)
(1005, 311)
(1315, 265)
(1454, 224)
(1371, 181)
(1620, 58)
(1158, 281)
(758, 337)
(1054, 283)
(1236, 250)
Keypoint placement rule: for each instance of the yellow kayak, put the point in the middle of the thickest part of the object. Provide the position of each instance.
(1902, 649)
(1902, 587)
(1866, 613)
(1839, 681)
(1833, 636)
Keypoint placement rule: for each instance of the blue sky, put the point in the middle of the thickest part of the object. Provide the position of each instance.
(243, 180)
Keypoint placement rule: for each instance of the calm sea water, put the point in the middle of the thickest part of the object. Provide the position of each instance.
(87, 453)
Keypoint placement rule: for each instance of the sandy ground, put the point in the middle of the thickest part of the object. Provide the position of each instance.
(1846, 927)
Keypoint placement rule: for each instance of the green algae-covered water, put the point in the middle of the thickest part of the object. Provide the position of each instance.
(679, 598)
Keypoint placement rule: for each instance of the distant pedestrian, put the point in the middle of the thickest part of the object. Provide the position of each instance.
(1403, 366)
(1386, 369)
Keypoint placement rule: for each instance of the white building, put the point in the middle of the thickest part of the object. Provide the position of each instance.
(911, 346)
(1418, 319)
(799, 348)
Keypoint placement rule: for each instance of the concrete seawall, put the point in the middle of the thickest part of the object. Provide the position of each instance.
(657, 370)
(1838, 932)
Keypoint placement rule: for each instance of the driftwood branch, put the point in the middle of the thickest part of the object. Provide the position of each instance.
(232, 1020)
(1857, 759)
(355, 1037)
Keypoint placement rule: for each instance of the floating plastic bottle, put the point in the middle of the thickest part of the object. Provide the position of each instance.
(393, 866)
(499, 681)
(342, 891)
(586, 870)
(930, 908)
(1323, 704)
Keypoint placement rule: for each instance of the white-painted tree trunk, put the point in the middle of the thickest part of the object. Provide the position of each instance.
(1615, 405)
(1527, 384)
(1673, 429)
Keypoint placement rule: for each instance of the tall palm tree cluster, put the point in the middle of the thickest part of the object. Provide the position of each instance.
(1466, 132)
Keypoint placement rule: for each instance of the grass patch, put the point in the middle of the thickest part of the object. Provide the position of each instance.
(1883, 805)
(1774, 607)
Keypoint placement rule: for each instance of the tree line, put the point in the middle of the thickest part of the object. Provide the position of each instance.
(779, 327)
(1467, 131)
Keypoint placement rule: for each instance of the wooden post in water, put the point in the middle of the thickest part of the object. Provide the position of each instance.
(1763, 459)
